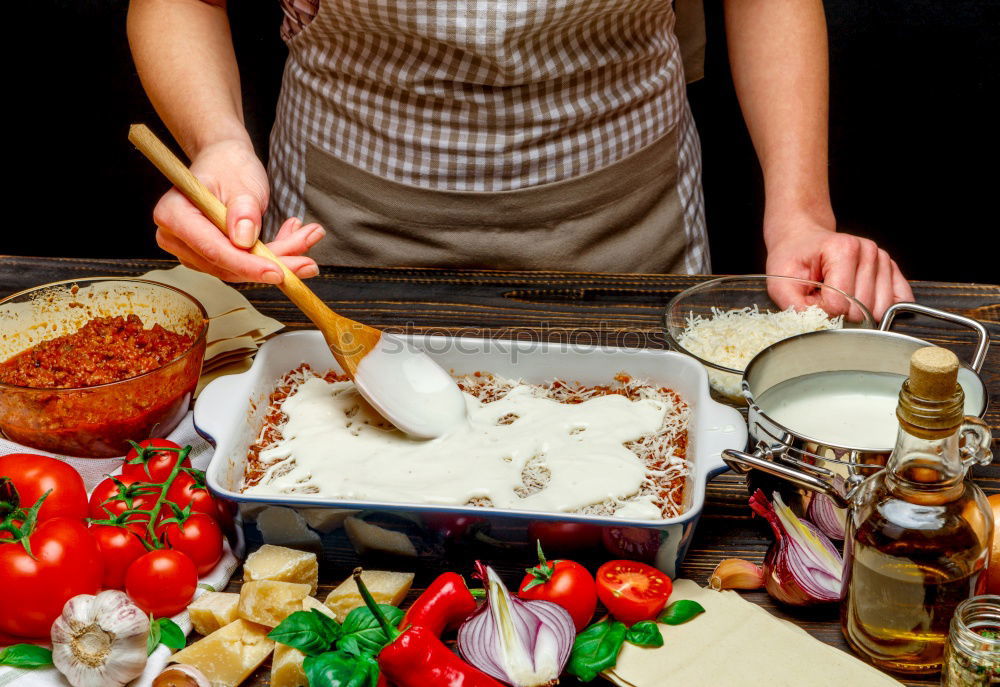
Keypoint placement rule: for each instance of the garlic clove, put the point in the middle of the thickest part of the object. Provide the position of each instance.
(736, 573)
(181, 675)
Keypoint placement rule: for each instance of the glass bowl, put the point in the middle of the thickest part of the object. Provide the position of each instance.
(767, 294)
(97, 421)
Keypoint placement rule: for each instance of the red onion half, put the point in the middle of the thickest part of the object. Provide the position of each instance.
(802, 567)
(522, 643)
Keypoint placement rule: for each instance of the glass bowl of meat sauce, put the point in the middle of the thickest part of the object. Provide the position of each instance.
(87, 364)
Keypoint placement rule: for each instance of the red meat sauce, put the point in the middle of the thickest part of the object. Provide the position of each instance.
(104, 350)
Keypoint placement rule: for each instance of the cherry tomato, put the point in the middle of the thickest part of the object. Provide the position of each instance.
(66, 562)
(108, 497)
(199, 537)
(34, 475)
(565, 537)
(565, 583)
(632, 591)
(162, 582)
(120, 546)
(185, 490)
(155, 466)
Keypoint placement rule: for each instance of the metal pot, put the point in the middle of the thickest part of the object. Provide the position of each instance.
(808, 462)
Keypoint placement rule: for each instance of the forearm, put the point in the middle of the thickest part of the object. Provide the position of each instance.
(778, 54)
(183, 52)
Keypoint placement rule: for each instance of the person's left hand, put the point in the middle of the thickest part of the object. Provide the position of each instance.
(808, 249)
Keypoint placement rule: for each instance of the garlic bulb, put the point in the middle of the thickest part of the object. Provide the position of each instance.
(100, 641)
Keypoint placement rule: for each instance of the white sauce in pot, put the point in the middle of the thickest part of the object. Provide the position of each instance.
(340, 448)
(845, 408)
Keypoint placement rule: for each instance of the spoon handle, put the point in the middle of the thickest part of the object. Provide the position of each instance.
(348, 340)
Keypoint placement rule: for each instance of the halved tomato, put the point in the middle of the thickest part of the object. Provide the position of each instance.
(632, 591)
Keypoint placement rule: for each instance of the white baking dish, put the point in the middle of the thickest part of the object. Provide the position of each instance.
(229, 413)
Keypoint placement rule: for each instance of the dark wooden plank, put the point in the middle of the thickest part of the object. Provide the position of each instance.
(610, 309)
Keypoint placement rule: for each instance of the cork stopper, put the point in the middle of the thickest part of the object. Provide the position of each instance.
(933, 373)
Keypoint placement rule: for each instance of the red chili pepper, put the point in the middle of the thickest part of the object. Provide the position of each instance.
(443, 605)
(415, 657)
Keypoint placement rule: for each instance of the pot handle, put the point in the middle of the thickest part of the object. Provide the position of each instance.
(982, 336)
(741, 462)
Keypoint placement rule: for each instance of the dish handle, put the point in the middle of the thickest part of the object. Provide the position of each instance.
(220, 404)
(723, 427)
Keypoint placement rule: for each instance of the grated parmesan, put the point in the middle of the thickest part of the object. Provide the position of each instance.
(732, 338)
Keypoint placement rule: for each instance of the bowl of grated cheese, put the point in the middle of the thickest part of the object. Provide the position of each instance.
(723, 323)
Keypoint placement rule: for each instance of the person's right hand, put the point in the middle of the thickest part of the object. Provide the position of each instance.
(231, 170)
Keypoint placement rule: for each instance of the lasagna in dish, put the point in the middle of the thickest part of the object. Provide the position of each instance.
(616, 450)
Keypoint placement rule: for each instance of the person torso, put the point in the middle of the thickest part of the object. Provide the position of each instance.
(476, 95)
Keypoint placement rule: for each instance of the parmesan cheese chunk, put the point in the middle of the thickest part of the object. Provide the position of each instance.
(230, 654)
(386, 588)
(282, 565)
(286, 667)
(268, 602)
(213, 610)
(310, 603)
(285, 527)
(367, 537)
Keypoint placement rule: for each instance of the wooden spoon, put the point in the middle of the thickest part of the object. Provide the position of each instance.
(403, 401)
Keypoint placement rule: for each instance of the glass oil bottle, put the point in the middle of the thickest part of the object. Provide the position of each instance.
(919, 533)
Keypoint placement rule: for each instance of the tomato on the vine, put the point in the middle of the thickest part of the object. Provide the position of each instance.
(186, 491)
(564, 583)
(64, 561)
(153, 465)
(34, 475)
(162, 582)
(198, 536)
(114, 495)
(632, 591)
(120, 546)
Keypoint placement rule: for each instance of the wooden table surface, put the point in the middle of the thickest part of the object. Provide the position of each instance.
(608, 309)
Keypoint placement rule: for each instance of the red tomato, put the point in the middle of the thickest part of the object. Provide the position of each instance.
(162, 582)
(120, 546)
(108, 496)
(67, 562)
(186, 491)
(154, 466)
(34, 475)
(199, 537)
(560, 537)
(632, 591)
(565, 583)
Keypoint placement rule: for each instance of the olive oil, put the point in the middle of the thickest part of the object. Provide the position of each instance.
(918, 535)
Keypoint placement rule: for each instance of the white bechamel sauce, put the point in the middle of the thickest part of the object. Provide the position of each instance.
(843, 408)
(338, 445)
(409, 389)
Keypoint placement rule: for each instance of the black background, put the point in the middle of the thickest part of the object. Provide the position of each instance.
(914, 142)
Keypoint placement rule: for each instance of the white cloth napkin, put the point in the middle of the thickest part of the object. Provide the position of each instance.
(93, 471)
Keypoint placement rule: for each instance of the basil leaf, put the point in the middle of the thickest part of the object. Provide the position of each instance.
(680, 612)
(311, 632)
(644, 633)
(153, 639)
(25, 656)
(171, 634)
(596, 649)
(339, 669)
(361, 632)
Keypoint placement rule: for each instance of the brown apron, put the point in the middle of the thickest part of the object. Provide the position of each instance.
(626, 217)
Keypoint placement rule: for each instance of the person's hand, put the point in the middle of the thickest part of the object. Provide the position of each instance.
(853, 264)
(231, 170)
